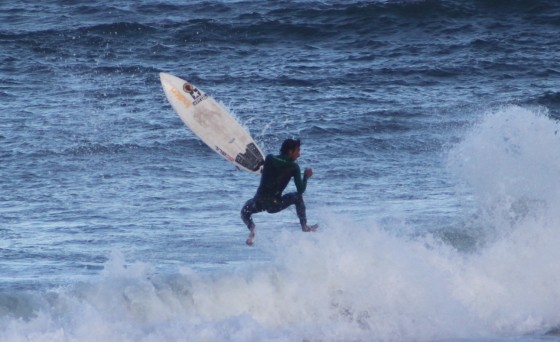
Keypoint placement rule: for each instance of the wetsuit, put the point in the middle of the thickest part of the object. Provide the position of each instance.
(276, 174)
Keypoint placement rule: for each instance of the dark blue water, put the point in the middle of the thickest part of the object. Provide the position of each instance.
(431, 127)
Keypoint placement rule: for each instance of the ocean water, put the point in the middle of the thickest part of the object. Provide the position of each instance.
(432, 128)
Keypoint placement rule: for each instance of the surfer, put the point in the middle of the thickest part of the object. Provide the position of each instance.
(276, 174)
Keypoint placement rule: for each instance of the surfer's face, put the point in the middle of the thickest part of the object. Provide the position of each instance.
(294, 154)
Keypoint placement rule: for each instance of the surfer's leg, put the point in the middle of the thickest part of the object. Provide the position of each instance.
(251, 236)
(286, 201)
(250, 207)
(300, 208)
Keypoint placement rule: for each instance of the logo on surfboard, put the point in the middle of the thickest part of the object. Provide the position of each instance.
(194, 92)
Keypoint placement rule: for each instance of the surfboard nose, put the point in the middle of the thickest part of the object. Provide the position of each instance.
(170, 81)
(165, 77)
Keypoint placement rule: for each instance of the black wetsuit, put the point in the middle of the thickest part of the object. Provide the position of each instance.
(276, 174)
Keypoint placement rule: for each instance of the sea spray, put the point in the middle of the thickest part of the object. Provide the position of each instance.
(510, 161)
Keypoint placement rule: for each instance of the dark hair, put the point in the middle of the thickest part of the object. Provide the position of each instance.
(289, 145)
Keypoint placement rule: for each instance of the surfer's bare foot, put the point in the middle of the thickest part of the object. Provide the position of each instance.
(251, 237)
(312, 228)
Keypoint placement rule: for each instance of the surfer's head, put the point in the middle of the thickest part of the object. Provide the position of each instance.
(290, 147)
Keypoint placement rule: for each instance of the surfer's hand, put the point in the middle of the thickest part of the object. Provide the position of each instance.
(308, 172)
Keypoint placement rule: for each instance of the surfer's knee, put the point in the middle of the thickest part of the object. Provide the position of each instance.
(245, 214)
(246, 217)
(298, 199)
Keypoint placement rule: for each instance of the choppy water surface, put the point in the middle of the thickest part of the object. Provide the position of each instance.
(431, 127)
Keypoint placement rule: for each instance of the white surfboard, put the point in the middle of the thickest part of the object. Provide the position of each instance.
(212, 123)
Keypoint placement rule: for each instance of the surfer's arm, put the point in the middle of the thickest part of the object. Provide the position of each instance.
(301, 183)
